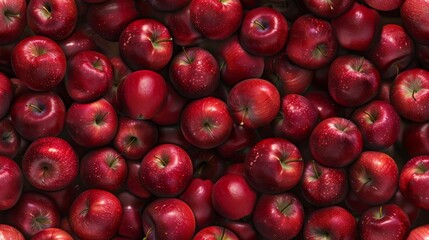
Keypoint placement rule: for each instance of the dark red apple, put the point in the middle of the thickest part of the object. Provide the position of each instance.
(279, 216)
(166, 170)
(172, 109)
(131, 221)
(95, 214)
(6, 94)
(133, 183)
(13, 183)
(206, 122)
(215, 233)
(39, 63)
(52, 234)
(328, 9)
(324, 104)
(10, 140)
(13, 21)
(50, 164)
(55, 19)
(415, 139)
(168, 5)
(414, 180)
(181, 28)
(383, 5)
(79, 40)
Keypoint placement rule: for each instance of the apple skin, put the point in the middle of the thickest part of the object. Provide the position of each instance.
(312, 43)
(415, 139)
(172, 134)
(64, 198)
(10, 140)
(194, 73)
(373, 177)
(328, 9)
(33, 213)
(198, 197)
(168, 5)
(120, 71)
(142, 86)
(383, 5)
(89, 76)
(135, 138)
(216, 20)
(254, 102)
(14, 22)
(263, 32)
(414, 179)
(50, 164)
(39, 63)
(181, 27)
(323, 102)
(168, 218)
(166, 170)
(236, 64)
(131, 222)
(10, 232)
(419, 233)
(244, 230)
(333, 222)
(78, 41)
(379, 124)
(412, 211)
(415, 20)
(298, 117)
(232, 197)
(171, 111)
(353, 80)
(6, 94)
(388, 61)
(133, 183)
(38, 114)
(103, 168)
(411, 88)
(155, 50)
(323, 186)
(99, 17)
(91, 124)
(95, 214)
(215, 233)
(52, 234)
(335, 142)
(12, 178)
(387, 221)
(358, 28)
(206, 122)
(279, 216)
(55, 19)
(273, 165)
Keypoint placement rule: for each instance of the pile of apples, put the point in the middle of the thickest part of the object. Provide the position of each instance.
(214, 119)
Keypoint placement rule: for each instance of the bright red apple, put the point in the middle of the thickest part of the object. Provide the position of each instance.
(414, 180)
(13, 21)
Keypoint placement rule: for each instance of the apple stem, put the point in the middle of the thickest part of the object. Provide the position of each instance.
(223, 233)
(287, 206)
(39, 110)
(421, 168)
(5, 136)
(163, 163)
(380, 212)
(47, 10)
(147, 233)
(100, 118)
(412, 94)
(370, 116)
(187, 55)
(114, 161)
(164, 40)
(10, 15)
(362, 61)
(130, 142)
(246, 109)
(259, 24)
(97, 64)
(315, 169)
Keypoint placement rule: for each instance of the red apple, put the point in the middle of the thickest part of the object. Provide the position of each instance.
(168, 218)
(383, 5)
(9, 232)
(153, 40)
(6, 94)
(133, 183)
(358, 28)
(216, 20)
(323, 186)
(89, 76)
(335, 142)
(39, 63)
(324, 104)
(379, 124)
(263, 31)
(55, 19)
(409, 94)
(244, 229)
(236, 64)
(91, 124)
(13, 21)
(215, 233)
(172, 109)
(168, 5)
(131, 221)
(415, 139)
(419, 233)
(52, 234)
(120, 71)
(38, 114)
(142, 86)
(279, 216)
(414, 180)
(13, 183)
(135, 138)
(328, 9)
(50, 164)
(353, 80)
(206, 122)
(414, 19)
(100, 16)
(254, 102)
(273, 165)
(33, 213)
(330, 222)
(64, 198)
(387, 221)
(95, 214)
(232, 197)
(103, 168)
(312, 43)
(166, 170)
(181, 27)
(80, 40)
(10, 140)
(194, 73)
(374, 177)
(412, 211)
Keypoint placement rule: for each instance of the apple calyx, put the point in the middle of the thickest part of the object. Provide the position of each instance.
(40, 222)
(45, 169)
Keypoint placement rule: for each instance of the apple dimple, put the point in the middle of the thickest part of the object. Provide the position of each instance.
(40, 222)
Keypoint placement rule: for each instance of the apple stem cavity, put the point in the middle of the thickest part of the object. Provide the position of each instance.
(162, 163)
(99, 118)
(9, 15)
(47, 11)
(98, 64)
(147, 233)
(421, 169)
(380, 213)
(371, 118)
(259, 24)
(37, 108)
(286, 207)
(40, 222)
(315, 169)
